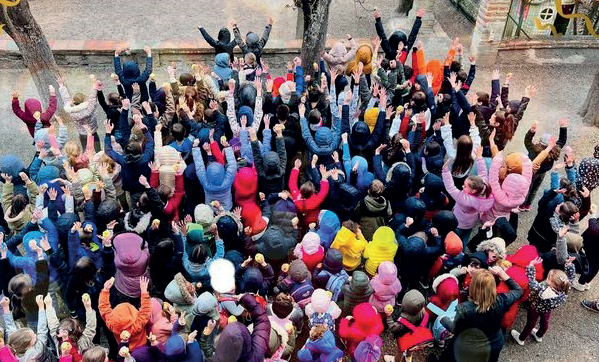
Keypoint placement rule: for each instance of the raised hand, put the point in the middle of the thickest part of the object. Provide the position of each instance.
(143, 284)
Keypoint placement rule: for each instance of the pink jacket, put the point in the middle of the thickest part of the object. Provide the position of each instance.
(467, 207)
(386, 286)
(512, 192)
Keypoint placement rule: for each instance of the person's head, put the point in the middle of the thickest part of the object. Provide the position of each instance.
(72, 150)
(455, 66)
(462, 76)
(85, 270)
(178, 132)
(165, 192)
(114, 99)
(282, 112)
(86, 234)
(250, 59)
(505, 123)
(133, 148)
(418, 99)
(314, 119)
(476, 186)
(199, 254)
(483, 98)
(282, 306)
(408, 71)
(314, 94)
(69, 329)
(376, 189)
(567, 211)
(78, 98)
(317, 331)
(307, 189)
(19, 285)
(19, 203)
(95, 354)
(21, 340)
(483, 290)
(463, 159)
(558, 280)
(143, 204)
(186, 79)
(109, 162)
(351, 226)
(432, 148)
(568, 187)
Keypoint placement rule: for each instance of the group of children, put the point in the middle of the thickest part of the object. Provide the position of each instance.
(235, 215)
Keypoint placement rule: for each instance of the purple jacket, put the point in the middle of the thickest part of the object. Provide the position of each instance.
(131, 259)
(467, 207)
(386, 286)
(236, 343)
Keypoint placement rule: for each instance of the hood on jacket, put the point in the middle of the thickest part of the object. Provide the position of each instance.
(523, 256)
(252, 281)
(221, 66)
(414, 246)
(386, 278)
(328, 226)
(252, 39)
(433, 184)
(131, 258)
(33, 105)
(271, 163)
(224, 36)
(323, 347)
(274, 244)
(12, 165)
(497, 245)
(453, 244)
(246, 111)
(421, 80)
(323, 137)
(229, 227)
(367, 319)
(246, 182)
(222, 275)
(445, 221)
(311, 243)
(516, 187)
(31, 236)
(206, 304)
(360, 133)
(251, 216)
(176, 291)
(338, 51)
(384, 238)
(130, 70)
(333, 261)
(175, 348)
(360, 283)
(399, 178)
(234, 344)
(364, 178)
(215, 174)
(397, 37)
(47, 173)
(322, 302)
(370, 117)
(414, 208)
(123, 316)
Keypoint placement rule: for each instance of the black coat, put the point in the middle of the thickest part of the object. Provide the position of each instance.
(224, 44)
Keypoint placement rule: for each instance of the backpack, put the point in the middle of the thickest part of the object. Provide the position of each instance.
(222, 311)
(418, 337)
(302, 294)
(439, 331)
(336, 283)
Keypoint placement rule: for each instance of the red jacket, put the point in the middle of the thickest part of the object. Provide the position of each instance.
(307, 209)
(366, 322)
(171, 209)
(312, 261)
(246, 186)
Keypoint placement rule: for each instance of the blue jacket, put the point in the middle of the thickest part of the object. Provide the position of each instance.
(325, 140)
(199, 272)
(323, 349)
(77, 251)
(132, 166)
(129, 73)
(215, 179)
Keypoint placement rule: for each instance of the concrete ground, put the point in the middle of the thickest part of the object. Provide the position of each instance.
(574, 331)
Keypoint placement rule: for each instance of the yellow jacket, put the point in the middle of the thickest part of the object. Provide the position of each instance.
(351, 247)
(382, 248)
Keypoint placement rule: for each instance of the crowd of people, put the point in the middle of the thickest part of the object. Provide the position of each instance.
(231, 212)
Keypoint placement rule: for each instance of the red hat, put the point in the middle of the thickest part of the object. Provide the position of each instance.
(453, 244)
(251, 216)
(446, 287)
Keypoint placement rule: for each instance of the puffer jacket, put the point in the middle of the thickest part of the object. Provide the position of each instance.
(82, 114)
(328, 226)
(280, 236)
(307, 209)
(382, 248)
(339, 56)
(131, 259)
(357, 291)
(129, 73)
(351, 247)
(253, 43)
(386, 286)
(366, 322)
(512, 192)
(325, 140)
(467, 207)
(271, 168)
(124, 317)
(215, 179)
(223, 44)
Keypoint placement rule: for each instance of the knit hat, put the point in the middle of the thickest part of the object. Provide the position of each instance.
(445, 221)
(176, 291)
(453, 244)
(369, 350)
(251, 216)
(497, 245)
(85, 176)
(252, 281)
(203, 215)
(545, 139)
(481, 257)
(333, 261)
(206, 304)
(442, 279)
(222, 275)
(370, 117)
(298, 271)
(195, 234)
(174, 348)
(412, 305)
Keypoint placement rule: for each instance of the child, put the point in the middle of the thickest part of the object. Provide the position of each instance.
(373, 211)
(256, 275)
(322, 310)
(310, 251)
(385, 285)
(295, 279)
(330, 274)
(382, 248)
(363, 322)
(454, 255)
(33, 106)
(410, 329)
(321, 346)
(306, 200)
(72, 151)
(69, 329)
(24, 342)
(357, 291)
(124, 316)
(328, 226)
(351, 243)
(181, 143)
(544, 297)
(82, 111)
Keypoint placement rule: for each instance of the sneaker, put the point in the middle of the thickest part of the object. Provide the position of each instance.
(516, 335)
(580, 287)
(534, 334)
(590, 305)
(524, 208)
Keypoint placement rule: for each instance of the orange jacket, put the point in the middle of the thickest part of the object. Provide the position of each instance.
(124, 317)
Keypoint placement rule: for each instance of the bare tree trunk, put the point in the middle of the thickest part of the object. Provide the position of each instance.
(35, 50)
(590, 109)
(316, 22)
(405, 6)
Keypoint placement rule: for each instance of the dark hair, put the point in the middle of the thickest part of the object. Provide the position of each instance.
(463, 159)
(178, 132)
(507, 126)
(18, 287)
(566, 184)
(73, 328)
(408, 71)
(85, 271)
(164, 191)
(432, 148)
(187, 79)
(385, 63)
(376, 189)
(282, 112)
(455, 66)
(567, 210)
(483, 98)
(199, 254)
(144, 203)
(282, 306)
(114, 99)
(419, 99)
(314, 116)
(307, 189)
(351, 225)
(19, 203)
(133, 148)
(480, 186)
(462, 75)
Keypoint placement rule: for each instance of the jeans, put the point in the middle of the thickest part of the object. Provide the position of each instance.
(531, 322)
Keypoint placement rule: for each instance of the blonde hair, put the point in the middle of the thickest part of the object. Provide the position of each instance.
(250, 59)
(72, 150)
(20, 340)
(376, 188)
(95, 354)
(109, 161)
(483, 290)
(317, 331)
(559, 280)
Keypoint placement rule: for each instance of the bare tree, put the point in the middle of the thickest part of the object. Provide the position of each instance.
(21, 26)
(590, 109)
(316, 22)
